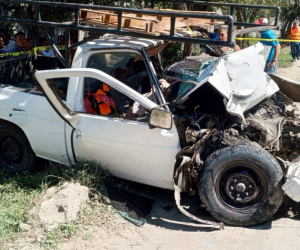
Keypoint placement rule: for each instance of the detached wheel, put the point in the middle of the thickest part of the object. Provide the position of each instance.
(16, 154)
(241, 185)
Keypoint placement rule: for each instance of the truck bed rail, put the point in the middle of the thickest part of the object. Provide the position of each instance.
(142, 23)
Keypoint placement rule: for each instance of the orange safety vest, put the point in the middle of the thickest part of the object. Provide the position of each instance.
(295, 35)
(101, 102)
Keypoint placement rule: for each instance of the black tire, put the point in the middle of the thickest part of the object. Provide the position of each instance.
(16, 154)
(241, 185)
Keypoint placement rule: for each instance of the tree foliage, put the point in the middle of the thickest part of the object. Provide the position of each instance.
(290, 10)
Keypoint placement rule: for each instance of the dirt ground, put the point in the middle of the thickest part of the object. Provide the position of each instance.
(292, 72)
(167, 228)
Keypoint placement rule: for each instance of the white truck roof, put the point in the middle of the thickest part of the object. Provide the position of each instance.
(130, 42)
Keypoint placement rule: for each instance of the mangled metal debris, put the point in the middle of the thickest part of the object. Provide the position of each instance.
(230, 101)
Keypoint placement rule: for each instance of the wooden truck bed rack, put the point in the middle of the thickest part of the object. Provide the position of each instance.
(148, 24)
(143, 23)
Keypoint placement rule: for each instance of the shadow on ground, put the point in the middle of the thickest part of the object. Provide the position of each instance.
(165, 213)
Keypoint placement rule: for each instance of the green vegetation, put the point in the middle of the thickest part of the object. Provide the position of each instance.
(285, 58)
(18, 192)
(54, 237)
(172, 53)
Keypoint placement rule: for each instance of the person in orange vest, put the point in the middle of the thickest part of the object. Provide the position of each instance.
(100, 102)
(294, 34)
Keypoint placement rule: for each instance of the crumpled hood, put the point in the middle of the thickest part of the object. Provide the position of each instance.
(239, 77)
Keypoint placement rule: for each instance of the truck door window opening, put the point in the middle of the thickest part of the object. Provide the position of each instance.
(126, 68)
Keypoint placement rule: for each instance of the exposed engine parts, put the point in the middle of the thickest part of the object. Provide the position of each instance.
(271, 126)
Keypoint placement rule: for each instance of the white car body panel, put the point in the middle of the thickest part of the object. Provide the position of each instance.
(128, 149)
(292, 186)
(240, 78)
(249, 84)
(41, 124)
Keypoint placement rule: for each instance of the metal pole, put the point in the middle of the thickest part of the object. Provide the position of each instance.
(278, 10)
(230, 28)
(60, 57)
(119, 20)
(189, 5)
(38, 13)
(152, 4)
(76, 12)
(231, 10)
(172, 31)
(68, 51)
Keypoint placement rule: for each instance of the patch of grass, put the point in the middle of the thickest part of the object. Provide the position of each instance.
(285, 58)
(17, 193)
(64, 230)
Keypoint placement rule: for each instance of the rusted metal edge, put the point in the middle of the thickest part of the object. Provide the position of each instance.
(177, 192)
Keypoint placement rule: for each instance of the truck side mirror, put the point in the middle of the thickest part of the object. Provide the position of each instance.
(160, 118)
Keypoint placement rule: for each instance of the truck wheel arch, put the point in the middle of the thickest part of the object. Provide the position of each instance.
(16, 154)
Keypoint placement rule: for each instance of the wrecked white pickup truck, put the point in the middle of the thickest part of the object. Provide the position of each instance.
(230, 131)
(222, 128)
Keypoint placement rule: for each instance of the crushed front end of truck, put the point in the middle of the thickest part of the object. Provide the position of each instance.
(231, 103)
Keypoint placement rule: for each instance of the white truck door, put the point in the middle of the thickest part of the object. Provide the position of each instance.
(128, 149)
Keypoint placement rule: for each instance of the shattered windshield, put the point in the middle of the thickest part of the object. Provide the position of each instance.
(187, 73)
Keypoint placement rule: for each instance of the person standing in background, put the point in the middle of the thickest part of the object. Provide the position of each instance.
(271, 63)
(44, 43)
(61, 40)
(8, 44)
(29, 44)
(294, 34)
(20, 42)
(2, 51)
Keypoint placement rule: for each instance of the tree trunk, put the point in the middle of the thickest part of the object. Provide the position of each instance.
(240, 18)
(284, 29)
(188, 50)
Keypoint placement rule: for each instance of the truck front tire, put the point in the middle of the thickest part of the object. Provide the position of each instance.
(241, 185)
(16, 154)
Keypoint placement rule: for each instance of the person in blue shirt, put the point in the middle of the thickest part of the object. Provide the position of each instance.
(20, 42)
(271, 63)
(219, 35)
(213, 36)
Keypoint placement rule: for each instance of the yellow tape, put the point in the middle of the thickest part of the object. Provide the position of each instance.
(59, 47)
(190, 30)
(267, 40)
(63, 47)
(22, 53)
(33, 52)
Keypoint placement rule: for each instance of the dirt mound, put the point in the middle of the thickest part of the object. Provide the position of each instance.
(60, 204)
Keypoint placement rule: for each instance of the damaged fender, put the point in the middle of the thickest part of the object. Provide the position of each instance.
(189, 159)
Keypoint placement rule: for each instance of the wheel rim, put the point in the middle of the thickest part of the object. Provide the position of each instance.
(11, 149)
(241, 186)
